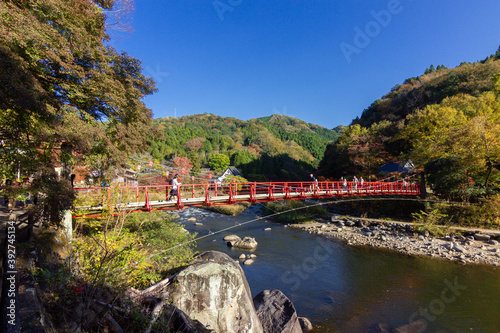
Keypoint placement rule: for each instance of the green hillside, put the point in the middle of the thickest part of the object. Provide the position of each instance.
(277, 147)
(447, 121)
(431, 88)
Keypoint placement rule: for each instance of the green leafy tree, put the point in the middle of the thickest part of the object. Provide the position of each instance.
(450, 179)
(463, 127)
(62, 82)
(218, 162)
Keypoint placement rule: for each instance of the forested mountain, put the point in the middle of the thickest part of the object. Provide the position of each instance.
(431, 88)
(277, 147)
(446, 120)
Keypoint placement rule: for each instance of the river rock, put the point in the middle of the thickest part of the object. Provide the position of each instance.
(232, 238)
(267, 229)
(349, 223)
(482, 237)
(178, 321)
(252, 256)
(413, 327)
(361, 224)
(276, 312)
(192, 219)
(305, 324)
(493, 242)
(242, 256)
(247, 243)
(459, 248)
(214, 291)
(175, 216)
(248, 262)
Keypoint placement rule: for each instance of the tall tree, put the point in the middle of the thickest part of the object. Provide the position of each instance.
(60, 82)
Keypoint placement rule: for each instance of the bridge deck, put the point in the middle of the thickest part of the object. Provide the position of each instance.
(147, 198)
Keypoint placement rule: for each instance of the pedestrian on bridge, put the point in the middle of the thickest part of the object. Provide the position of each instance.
(175, 185)
(314, 182)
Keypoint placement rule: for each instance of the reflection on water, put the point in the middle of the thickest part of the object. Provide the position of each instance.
(350, 289)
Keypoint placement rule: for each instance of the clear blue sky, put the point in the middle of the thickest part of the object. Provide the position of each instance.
(306, 59)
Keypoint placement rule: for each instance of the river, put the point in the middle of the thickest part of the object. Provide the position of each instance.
(341, 288)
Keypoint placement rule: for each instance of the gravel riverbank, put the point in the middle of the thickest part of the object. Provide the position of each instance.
(469, 246)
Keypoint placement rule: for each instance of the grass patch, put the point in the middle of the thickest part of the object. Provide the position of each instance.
(231, 210)
(299, 213)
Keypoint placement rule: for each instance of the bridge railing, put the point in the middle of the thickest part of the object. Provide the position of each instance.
(142, 196)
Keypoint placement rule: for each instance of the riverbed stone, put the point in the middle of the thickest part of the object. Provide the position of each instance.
(305, 324)
(248, 262)
(232, 238)
(276, 312)
(482, 237)
(493, 242)
(198, 224)
(247, 243)
(459, 248)
(214, 291)
(192, 219)
(242, 256)
(267, 229)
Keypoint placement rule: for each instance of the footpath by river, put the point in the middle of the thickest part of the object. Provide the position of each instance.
(345, 288)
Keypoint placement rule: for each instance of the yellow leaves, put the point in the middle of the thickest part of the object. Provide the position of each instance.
(463, 126)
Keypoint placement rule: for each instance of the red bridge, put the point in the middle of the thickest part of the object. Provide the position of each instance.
(155, 197)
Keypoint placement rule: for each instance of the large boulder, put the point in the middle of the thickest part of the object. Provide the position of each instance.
(247, 243)
(179, 322)
(232, 238)
(276, 312)
(214, 291)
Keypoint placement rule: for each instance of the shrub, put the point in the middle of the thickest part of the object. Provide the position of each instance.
(117, 250)
(431, 221)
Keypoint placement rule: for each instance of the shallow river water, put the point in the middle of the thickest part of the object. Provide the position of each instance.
(341, 288)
